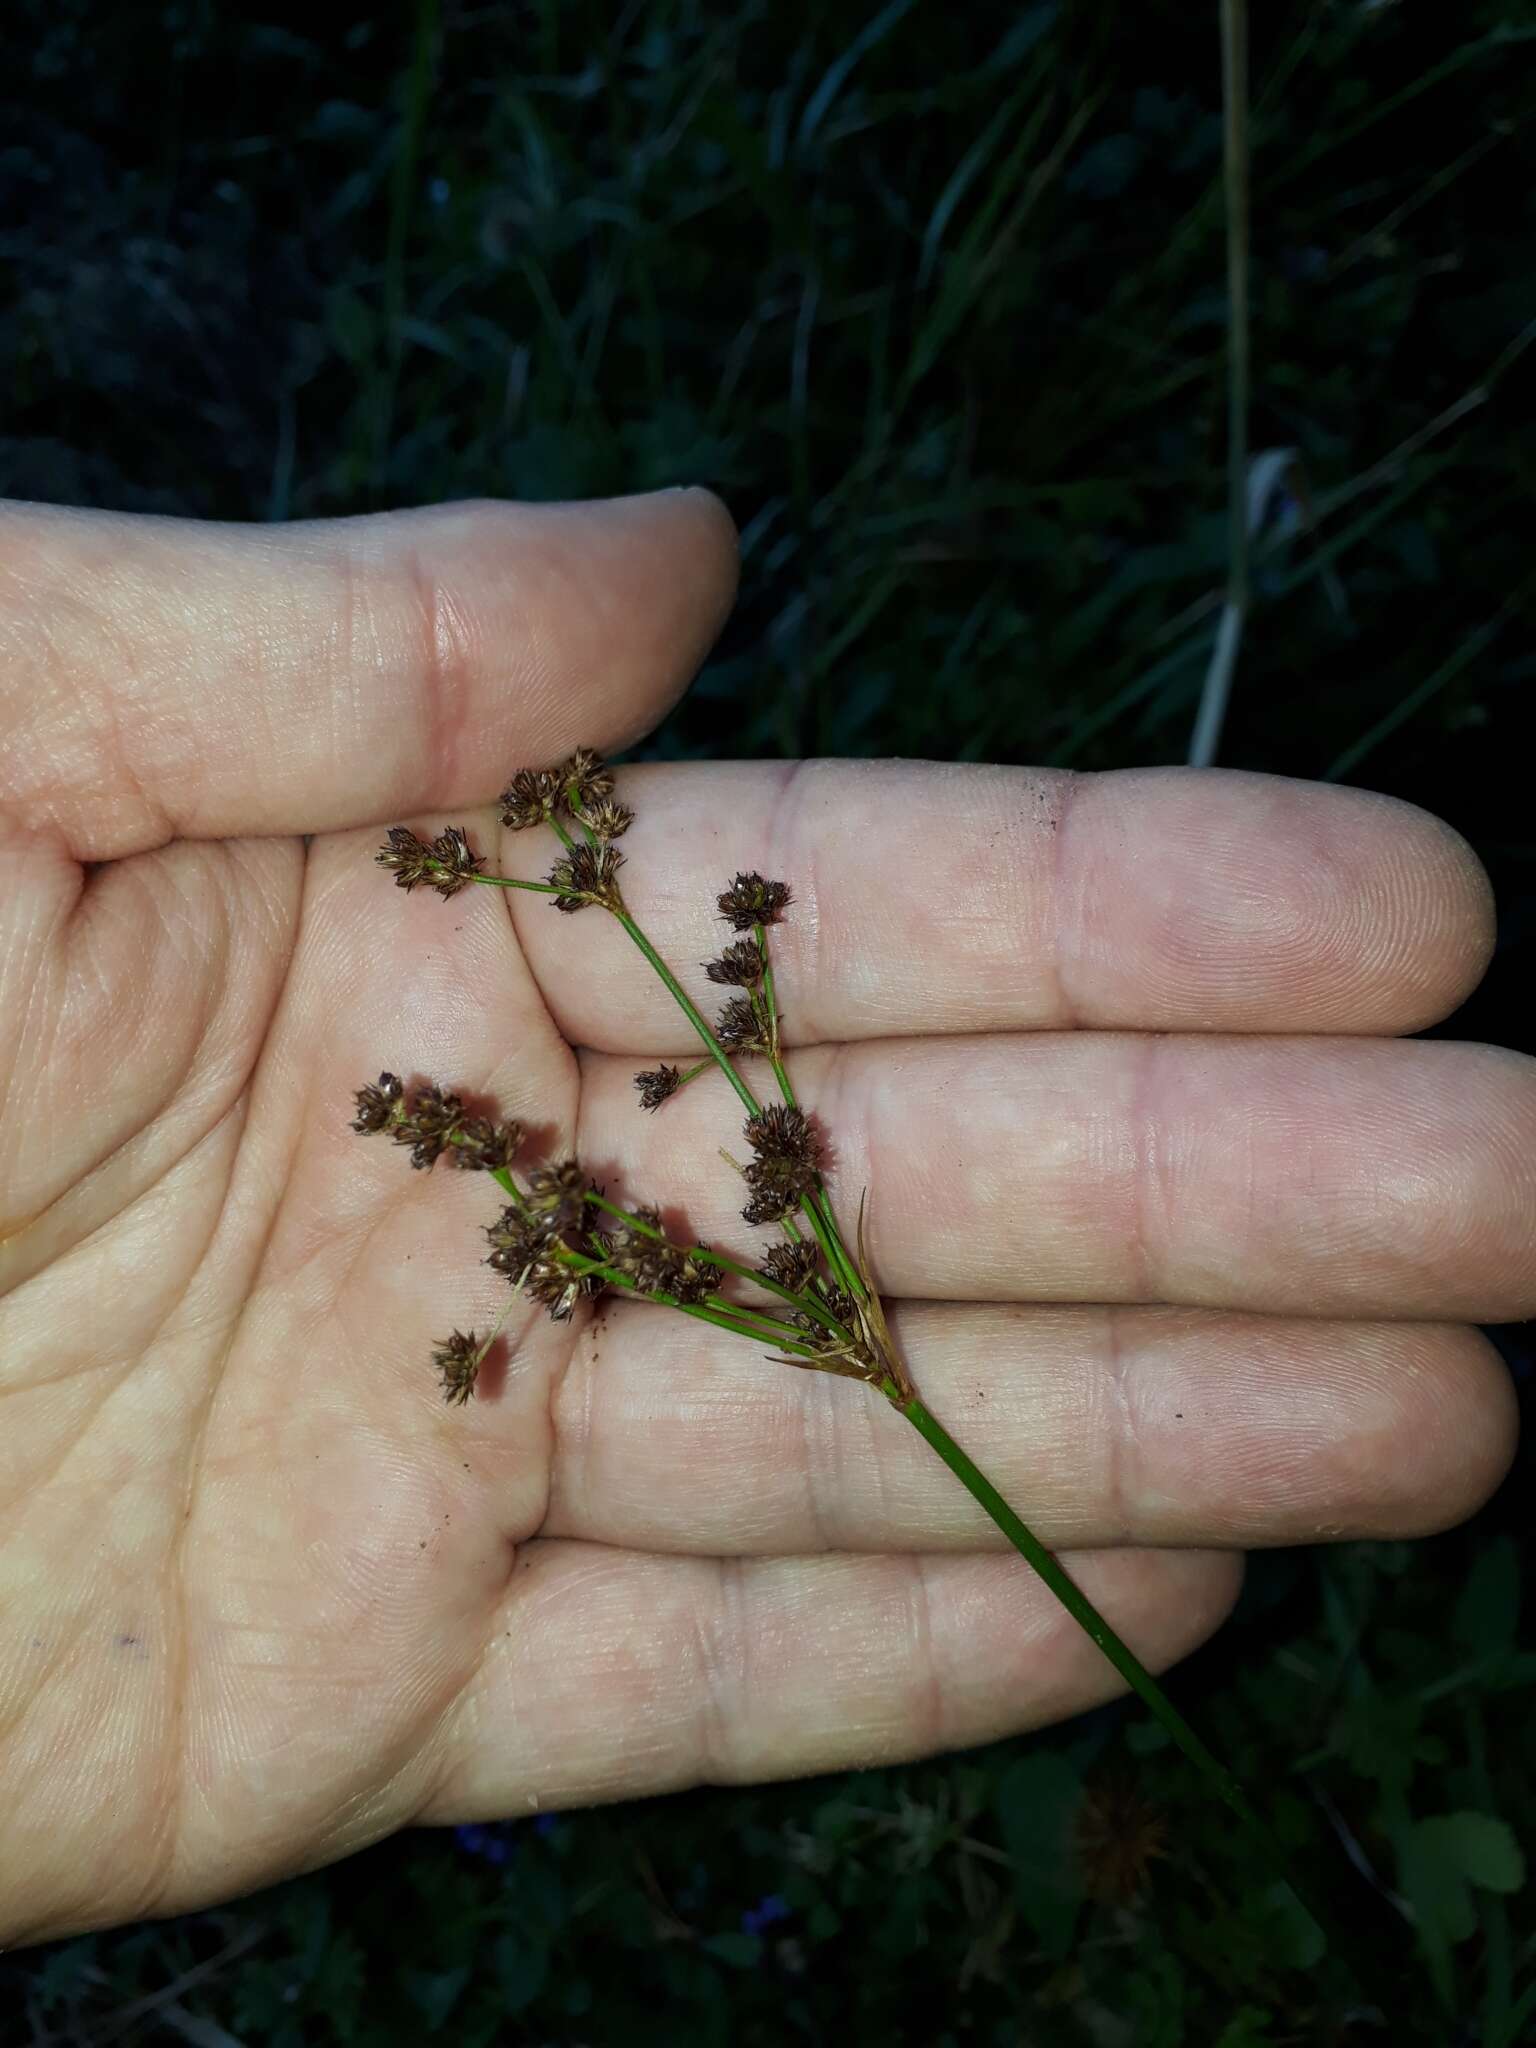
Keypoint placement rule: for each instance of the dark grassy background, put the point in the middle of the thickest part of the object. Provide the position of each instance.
(933, 295)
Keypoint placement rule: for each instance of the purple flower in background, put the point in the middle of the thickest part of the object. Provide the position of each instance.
(491, 1843)
(759, 1918)
(545, 1824)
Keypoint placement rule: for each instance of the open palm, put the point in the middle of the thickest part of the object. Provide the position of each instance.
(1131, 1042)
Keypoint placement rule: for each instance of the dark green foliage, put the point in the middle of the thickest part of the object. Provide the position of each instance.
(933, 296)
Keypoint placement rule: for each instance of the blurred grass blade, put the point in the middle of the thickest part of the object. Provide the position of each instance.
(1229, 636)
(1415, 700)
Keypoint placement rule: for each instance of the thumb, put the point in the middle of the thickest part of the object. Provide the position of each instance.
(164, 678)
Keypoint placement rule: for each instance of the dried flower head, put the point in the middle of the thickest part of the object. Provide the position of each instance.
(482, 1146)
(587, 779)
(608, 820)
(555, 1287)
(429, 1124)
(587, 874)
(447, 865)
(559, 1194)
(518, 1240)
(792, 1265)
(750, 900)
(529, 798)
(654, 1264)
(739, 966)
(788, 1155)
(657, 1083)
(458, 1361)
(739, 1027)
(378, 1104)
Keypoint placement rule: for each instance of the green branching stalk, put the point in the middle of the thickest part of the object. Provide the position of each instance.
(563, 1238)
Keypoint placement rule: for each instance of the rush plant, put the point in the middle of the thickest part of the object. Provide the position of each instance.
(809, 1298)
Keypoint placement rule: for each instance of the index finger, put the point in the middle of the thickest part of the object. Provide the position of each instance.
(953, 897)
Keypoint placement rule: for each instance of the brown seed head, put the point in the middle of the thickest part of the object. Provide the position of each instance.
(788, 1155)
(587, 778)
(656, 1084)
(517, 1239)
(739, 1028)
(559, 1194)
(751, 900)
(430, 1123)
(529, 798)
(657, 1266)
(792, 1265)
(408, 858)
(608, 820)
(447, 865)
(456, 865)
(482, 1146)
(739, 966)
(378, 1104)
(458, 1363)
(587, 874)
(555, 1287)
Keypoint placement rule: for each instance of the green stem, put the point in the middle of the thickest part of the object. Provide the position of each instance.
(1371, 1958)
(497, 881)
(826, 1235)
(506, 882)
(725, 1315)
(816, 1206)
(1079, 1607)
(727, 1265)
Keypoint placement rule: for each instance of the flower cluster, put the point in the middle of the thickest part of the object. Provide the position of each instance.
(656, 1084)
(560, 1241)
(435, 1123)
(786, 1161)
(458, 1360)
(588, 874)
(447, 865)
(751, 901)
(533, 1240)
(642, 1252)
(581, 788)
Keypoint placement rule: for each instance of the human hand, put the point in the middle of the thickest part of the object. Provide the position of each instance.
(1126, 1041)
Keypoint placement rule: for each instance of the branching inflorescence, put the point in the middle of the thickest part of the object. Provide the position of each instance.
(561, 1240)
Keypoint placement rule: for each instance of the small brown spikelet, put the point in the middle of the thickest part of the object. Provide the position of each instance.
(587, 874)
(447, 865)
(788, 1154)
(457, 866)
(739, 1028)
(555, 1287)
(429, 1124)
(408, 858)
(588, 778)
(529, 798)
(458, 1364)
(751, 900)
(378, 1104)
(517, 1240)
(739, 966)
(792, 1265)
(608, 820)
(559, 1194)
(481, 1146)
(656, 1084)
